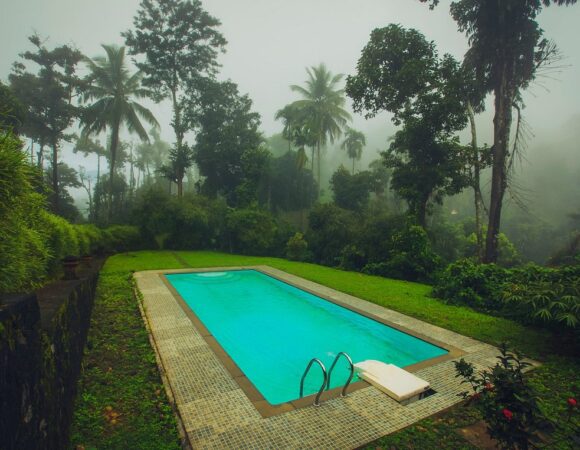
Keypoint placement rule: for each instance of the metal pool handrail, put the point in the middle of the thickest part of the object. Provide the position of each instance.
(343, 393)
(312, 361)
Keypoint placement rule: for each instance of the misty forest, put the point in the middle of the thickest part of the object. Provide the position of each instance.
(438, 180)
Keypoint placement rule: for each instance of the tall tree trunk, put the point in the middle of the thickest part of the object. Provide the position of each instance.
(55, 202)
(97, 203)
(177, 128)
(422, 211)
(477, 198)
(131, 173)
(504, 97)
(180, 187)
(353, 166)
(318, 168)
(113, 153)
(40, 155)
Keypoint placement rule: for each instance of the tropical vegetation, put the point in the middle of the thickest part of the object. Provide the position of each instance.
(428, 207)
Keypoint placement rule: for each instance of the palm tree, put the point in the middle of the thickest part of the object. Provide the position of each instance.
(298, 131)
(354, 143)
(323, 104)
(114, 90)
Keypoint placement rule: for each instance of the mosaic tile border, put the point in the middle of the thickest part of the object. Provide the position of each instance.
(216, 413)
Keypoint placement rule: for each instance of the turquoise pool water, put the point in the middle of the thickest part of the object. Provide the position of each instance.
(272, 330)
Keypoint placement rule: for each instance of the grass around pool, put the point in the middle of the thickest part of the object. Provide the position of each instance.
(408, 298)
(120, 375)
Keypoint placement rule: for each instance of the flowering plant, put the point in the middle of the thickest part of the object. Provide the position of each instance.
(508, 403)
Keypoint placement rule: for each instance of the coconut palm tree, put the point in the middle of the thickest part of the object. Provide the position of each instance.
(323, 103)
(354, 143)
(114, 90)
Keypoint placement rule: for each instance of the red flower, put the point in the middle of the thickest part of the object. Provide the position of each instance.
(572, 402)
(507, 414)
(488, 387)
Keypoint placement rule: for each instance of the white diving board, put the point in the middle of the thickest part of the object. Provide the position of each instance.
(397, 383)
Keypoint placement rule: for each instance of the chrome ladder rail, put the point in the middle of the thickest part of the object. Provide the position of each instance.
(343, 393)
(312, 361)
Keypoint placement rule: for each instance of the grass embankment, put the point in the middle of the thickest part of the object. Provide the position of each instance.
(120, 374)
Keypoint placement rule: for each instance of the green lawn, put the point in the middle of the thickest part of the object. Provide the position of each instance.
(120, 374)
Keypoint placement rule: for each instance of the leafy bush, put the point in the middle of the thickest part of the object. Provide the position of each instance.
(508, 256)
(375, 239)
(250, 231)
(122, 238)
(410, 258)
(189, 223)
(529, 294)
(61, 240)
(90, 238)
(466, 282)
(23, 253)
(154, 214)
(191, 227)
(297, 248)
(352, 258)
(544, 296)
(508, 403)
(331, 228)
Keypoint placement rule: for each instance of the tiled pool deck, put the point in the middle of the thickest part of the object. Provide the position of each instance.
(216, 413)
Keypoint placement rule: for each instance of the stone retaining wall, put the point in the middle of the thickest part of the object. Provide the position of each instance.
(42, 337)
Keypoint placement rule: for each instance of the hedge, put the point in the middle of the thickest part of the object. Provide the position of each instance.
(32, 240)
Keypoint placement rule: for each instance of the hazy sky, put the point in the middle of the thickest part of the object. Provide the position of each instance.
(270, 42)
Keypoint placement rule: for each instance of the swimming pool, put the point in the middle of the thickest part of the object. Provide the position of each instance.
(271, 330)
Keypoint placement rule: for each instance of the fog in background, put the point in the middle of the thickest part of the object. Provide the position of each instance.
(271, 42)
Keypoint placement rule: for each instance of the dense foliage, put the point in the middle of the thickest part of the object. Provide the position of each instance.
(530, 294)
(33, 241)
(507, 401)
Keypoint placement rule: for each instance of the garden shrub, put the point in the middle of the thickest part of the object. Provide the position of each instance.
(467, 282)
(375, 239)
(192, 222)
(23, 251)
(154, 213)
(191, 229)
(33, 241)
(352, 258)
(331, 229)
(544, 296)
(61, 240)
(284, 232)
(508, 255)
(297, 248)
(90, 238)
(122, 238)
(531, 294)
(250, 231)
(506, 400)
(410, 257)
